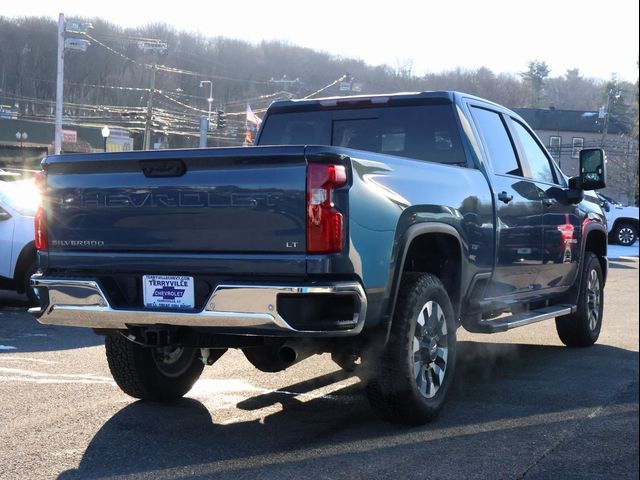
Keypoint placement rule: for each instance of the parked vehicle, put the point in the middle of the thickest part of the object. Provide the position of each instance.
(18, 259)
(370, 227)
(622, 221)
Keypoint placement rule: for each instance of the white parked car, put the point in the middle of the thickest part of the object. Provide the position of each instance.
(18, 258)
(622, 221)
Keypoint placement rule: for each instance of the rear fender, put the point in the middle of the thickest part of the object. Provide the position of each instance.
(399, 263)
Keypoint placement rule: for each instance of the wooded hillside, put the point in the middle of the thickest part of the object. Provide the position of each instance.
(110, 81)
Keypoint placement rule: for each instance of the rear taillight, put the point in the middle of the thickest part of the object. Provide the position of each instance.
(40, 224)
(325, 229)
(40, 220)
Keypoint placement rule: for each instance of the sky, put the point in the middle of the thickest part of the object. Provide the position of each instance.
(599, 38)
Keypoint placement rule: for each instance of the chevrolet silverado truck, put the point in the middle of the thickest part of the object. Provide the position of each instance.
(367, 227)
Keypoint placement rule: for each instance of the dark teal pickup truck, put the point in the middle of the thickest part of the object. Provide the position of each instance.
(368, 227)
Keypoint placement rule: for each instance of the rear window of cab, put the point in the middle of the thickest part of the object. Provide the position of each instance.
(423, 132)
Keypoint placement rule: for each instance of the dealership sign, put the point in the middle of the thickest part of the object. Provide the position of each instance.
(69, 136)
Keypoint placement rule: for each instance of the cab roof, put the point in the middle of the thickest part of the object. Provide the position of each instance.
(447, 97)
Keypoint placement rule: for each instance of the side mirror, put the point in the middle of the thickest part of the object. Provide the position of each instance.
(593, 172)
(574, 193)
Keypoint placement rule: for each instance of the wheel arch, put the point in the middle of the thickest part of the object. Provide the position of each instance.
(443, 258)
(596, 243)
(623, 221)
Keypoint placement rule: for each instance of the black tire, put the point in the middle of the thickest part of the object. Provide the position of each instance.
(32, 293)
(142, 372)
(396, 389)
(625, 234)
(347, 361)
(582, 328)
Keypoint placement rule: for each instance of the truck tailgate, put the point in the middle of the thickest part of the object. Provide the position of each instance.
(240, 200)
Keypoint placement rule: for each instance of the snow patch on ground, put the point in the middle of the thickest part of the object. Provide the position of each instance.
(618, 251)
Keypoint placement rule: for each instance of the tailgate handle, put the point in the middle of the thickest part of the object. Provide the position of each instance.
(163, 168)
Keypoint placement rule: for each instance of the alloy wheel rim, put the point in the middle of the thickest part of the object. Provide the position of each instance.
(594, 298)
(430, 349)
(625, 235)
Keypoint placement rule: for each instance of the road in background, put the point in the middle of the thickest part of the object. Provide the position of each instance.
(522, 406)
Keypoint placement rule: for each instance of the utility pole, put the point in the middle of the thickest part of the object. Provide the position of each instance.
(72, 43)
(285, 82)
(204, 128)
(147, 127)
(57, 146)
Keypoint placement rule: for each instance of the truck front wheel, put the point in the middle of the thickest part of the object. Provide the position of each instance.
(152, 373)
(582, 328)
(415, 371)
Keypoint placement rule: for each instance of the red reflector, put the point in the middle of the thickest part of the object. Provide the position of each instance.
(325, 229)
(40, 224)
(40, 220)
(337, 175)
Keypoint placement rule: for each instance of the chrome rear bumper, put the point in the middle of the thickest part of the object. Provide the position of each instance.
(234, 309)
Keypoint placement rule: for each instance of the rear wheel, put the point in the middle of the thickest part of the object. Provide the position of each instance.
(418, 364)
(161, 374)
(582, 328)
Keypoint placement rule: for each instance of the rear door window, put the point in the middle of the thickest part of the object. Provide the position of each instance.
(497, 141)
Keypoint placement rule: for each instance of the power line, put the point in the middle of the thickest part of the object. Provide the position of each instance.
(165, 68)
(326, 87)
(84, 106)
(89, 85)
(120, 54)
(93, 108)
(180, 103)
(113, 87)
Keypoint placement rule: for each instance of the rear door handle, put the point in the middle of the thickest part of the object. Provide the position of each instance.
(547, 202)
(505, 197)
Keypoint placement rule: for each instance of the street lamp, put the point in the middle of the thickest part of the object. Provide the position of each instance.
(105, 134)
(21, 137)
(210, 99)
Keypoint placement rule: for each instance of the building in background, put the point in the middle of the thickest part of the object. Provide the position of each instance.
(28, 150)
(566, 132)
(119, 140)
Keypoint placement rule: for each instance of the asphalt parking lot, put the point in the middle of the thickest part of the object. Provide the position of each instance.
(523, 406)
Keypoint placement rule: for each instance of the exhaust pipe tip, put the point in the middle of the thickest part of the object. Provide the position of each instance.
(288, 355)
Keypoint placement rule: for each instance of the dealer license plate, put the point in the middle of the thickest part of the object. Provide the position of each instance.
(168, 291)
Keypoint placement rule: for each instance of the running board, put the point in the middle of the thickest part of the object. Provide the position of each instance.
(520, 319)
